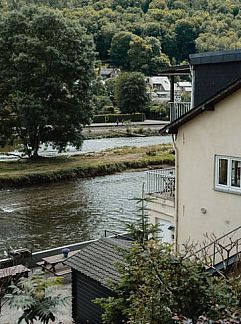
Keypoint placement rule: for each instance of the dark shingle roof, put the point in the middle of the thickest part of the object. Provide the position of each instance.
(97, 260)
(209, 104)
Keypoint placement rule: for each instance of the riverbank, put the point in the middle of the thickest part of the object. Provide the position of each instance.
(128, 129)
(24, 172)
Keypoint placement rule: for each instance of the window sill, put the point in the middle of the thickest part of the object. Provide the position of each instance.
(228, 190)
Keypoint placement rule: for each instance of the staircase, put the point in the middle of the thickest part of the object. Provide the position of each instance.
(223, 252)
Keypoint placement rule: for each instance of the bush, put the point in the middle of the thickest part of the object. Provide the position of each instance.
(159, 111)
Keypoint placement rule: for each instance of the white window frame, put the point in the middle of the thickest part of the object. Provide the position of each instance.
(228, 187)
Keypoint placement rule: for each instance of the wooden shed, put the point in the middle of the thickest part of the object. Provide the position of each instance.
(92, 268)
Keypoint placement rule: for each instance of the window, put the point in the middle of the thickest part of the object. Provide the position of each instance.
(227, 177)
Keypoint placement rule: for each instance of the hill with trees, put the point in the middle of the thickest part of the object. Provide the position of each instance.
(145, 35)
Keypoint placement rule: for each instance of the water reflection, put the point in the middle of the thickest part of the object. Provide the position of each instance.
(47, 216)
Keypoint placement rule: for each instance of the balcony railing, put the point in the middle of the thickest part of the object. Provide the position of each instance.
(161, 183)
(177, 109)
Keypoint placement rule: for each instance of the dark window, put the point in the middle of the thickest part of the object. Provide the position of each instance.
(223, 172)
(235, 174)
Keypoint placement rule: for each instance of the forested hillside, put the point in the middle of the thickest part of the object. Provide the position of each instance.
(145, 35)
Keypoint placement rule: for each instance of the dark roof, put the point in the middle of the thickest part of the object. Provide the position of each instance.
(209, 104)
(215, 57)
(175, 70)
(98, 259)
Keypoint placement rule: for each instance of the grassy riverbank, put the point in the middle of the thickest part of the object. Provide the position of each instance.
(24, 172)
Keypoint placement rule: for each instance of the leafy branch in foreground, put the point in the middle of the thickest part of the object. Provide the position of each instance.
(37, 298)
(159, 286)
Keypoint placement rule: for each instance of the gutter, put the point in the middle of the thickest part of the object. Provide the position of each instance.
(176, 192)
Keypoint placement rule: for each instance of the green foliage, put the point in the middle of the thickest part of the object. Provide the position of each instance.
(45, 79)
(131, 92)
(37, 298)
(120, 46)
(158, 286)
(181, 26)
(159, 111)
(155, 284)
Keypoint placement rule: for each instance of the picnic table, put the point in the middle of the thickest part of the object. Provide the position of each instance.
(50, 264)
(13, 273)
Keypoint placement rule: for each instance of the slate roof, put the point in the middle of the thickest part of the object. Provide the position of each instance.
(209, 104)
(97, 260)
(215, 57)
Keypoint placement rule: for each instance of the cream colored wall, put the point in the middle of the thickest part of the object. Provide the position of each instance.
(162, 210)
(212, 132)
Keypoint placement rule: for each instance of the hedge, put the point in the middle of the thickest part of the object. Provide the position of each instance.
(112, 118)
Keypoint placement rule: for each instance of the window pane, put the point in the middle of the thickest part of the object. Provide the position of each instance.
(235, 175)
(223, 172)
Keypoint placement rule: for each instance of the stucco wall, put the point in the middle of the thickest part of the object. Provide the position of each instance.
(212, 132)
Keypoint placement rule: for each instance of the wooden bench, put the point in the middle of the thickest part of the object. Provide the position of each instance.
(62, 272)
(13, 273)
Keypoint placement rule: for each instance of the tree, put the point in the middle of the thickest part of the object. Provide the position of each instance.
(131, 92)
(145, 55)
(186, 33)
(119, 49)
(35, 296)
(157, 285)
(45, 79)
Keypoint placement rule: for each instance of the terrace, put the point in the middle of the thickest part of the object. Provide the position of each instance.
(161, 183)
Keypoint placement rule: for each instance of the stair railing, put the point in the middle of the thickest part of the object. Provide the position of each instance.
(224, 250)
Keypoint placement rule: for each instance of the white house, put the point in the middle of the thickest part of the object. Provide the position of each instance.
(202, 194)
(160, 88)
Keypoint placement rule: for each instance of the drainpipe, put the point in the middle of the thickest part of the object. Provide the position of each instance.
(193, 85)
(176, 190)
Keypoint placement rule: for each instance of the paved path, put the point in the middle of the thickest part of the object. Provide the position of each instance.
(63, 316)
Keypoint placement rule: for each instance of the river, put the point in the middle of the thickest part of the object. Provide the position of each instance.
(48, 216)
(51, 215)
(96, 145)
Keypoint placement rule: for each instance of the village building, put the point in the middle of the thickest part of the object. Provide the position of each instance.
(200, 197)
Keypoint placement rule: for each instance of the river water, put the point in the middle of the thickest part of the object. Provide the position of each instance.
(95, 145)
(51, 215)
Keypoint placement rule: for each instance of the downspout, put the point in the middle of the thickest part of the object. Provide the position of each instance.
(193, 85)
(176, 190)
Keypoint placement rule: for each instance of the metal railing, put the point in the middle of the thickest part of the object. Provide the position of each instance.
(177, 109)
(223, 251)
(161, 182)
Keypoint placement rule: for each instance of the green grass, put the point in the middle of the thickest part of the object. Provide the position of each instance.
(26, 172)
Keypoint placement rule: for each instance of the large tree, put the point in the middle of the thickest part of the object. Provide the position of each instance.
(47, 65)
(119, 49)
(130, 90)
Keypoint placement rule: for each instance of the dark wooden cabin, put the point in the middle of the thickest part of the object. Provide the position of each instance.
(92, 268)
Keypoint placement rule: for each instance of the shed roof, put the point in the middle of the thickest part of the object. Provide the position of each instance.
(97, 260)
(209, 104)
